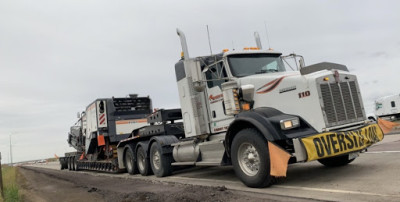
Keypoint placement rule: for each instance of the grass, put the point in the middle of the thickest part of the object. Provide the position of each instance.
(11, 190)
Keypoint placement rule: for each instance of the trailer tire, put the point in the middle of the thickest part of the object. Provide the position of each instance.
(62, 164)
(250, 158)
(69, 163)
(160, 163)
(130, 164)
(143, 162)
(336, 161)
(75, 164)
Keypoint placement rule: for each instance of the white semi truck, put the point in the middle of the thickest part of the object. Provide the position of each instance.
(243, 108)
(388, 107)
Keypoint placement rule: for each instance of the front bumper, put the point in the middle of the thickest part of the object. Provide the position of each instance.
(336, 143)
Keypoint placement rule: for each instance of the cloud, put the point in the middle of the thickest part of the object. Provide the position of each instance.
(383, 54)
(57, 57)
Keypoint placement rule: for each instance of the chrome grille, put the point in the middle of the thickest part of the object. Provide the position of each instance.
(341, 103)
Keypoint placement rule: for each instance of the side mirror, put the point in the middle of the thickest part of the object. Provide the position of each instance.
(301, 61)
(247, 92)
(78, 115)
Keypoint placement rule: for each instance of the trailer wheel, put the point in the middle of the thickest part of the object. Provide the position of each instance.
(250, 158)
(130, 164)
(61, 164)
(143, 163)
(160, 163)
(74, 163)
(69, 163)
(336, 161)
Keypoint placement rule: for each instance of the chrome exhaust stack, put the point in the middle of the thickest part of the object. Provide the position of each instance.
(183, 44)
(258, 41)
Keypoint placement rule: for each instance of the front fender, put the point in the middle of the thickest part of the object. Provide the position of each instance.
(267, 121)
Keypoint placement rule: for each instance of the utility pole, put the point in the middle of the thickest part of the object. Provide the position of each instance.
(1, 180)
(11, 151)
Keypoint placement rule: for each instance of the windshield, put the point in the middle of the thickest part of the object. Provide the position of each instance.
(249, 64)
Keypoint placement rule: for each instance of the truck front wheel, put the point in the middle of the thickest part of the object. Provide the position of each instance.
(160, 163)
(250, 158)
(336, 161)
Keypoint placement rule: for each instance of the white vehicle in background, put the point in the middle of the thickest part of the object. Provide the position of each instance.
(388, 107)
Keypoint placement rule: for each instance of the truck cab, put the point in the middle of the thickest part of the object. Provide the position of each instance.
(235, 99)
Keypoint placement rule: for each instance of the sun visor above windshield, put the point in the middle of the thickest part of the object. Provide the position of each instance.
(322, 66)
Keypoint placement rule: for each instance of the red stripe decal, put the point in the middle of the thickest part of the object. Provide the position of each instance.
(271, 82)
(272, 85)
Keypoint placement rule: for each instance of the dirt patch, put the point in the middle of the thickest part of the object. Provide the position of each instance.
(52, 185)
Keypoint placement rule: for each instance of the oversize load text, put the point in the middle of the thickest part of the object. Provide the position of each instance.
(336, 143)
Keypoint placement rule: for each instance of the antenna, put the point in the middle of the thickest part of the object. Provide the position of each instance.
(233, 45)
(209, 41)
(266, 31)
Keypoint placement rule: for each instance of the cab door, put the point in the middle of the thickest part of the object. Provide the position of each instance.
(216, 75)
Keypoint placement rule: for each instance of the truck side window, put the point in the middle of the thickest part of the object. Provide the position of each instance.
(216, 75)
(393, 104)
(101, 107)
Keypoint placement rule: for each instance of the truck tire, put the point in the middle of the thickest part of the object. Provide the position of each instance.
(160, 163)
(130, 164)
(250, 158)
(62, 164)
(69, 163)
(74, 163)
(336, 161)
(78, 165)
(143, 163)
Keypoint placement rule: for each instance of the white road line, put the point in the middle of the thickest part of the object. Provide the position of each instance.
(336, 191)
(234, 186)
(379, 152)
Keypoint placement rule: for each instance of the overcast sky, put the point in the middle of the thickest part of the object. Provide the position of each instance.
(58, 56)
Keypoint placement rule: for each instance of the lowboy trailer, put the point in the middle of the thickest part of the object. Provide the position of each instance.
(243, 108)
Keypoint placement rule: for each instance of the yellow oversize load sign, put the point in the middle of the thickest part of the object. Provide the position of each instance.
(335, 143)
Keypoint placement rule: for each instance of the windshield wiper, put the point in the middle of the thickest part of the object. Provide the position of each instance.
(261, 71)
(266, 71)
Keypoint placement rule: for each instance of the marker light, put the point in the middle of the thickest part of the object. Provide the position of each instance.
(326, 79)
(225, 50)
(287, 124)
(246, 106)
(235, 97)
(251, 48)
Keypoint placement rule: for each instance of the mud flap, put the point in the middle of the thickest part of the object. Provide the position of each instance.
(279, 159)
(387, 126)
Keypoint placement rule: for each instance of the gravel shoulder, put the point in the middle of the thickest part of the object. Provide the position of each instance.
(40, 184)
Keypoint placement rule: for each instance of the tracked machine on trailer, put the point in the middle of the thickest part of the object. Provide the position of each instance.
(99, 129)
(243, 108)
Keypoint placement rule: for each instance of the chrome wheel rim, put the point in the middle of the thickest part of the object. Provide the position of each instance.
(156, 160)
(249, 159)
(141, 161)
(129, 162)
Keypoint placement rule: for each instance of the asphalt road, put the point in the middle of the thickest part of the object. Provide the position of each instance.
(374, 176)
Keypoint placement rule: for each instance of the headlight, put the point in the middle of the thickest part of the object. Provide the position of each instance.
(287, 124)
